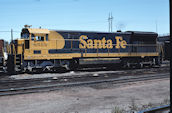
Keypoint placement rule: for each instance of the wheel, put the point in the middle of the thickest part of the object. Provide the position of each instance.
(70, 64)
(140, 65)
(74, 65)
(65, 64)
(158, 61)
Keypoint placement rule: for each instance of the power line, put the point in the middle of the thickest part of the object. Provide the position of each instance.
(9, 31)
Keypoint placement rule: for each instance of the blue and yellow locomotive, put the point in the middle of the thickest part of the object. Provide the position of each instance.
(42, 49)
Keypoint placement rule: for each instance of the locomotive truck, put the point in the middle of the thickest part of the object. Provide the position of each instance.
(43, 49)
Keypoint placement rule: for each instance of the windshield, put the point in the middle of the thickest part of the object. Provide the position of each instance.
(25, 35)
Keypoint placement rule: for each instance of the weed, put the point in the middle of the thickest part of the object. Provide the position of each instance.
(166, 101)
(117, 110)
(133, 105)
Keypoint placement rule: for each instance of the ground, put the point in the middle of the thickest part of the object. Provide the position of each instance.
(102, 98)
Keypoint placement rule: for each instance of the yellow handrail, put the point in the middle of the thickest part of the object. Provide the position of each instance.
(14, 53)
(161, 48)
(8, 49)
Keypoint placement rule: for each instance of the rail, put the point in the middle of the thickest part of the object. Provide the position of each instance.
(159, 109)
(41, 87)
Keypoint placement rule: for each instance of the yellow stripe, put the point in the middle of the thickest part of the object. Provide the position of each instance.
(93, 59)
(119, 54)
(54, 56)
(78, 55)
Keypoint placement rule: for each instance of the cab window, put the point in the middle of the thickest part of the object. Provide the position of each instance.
(39, 38)
(32, 37)
(25, 35)
(46, 37)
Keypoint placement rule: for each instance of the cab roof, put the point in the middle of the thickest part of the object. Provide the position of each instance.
(38, 31)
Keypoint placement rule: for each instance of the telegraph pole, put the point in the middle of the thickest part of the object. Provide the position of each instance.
(109, 22)
(110, 19)
(156, 26)
(11, 34)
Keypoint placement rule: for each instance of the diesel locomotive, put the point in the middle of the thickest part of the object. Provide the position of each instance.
(43, 49)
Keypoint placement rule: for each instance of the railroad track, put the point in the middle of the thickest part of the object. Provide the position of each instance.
(58, 86)
(93, 69)
(159, 109)
(77, 76)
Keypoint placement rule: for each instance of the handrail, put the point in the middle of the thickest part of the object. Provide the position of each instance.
(162, 51)
(14, 53)
(8, 49)
(98, 44)
(11, 50)
(73, 48)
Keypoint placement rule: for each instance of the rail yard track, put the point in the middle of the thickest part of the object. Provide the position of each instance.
(12, 86)
(55, 85)
(78, 75)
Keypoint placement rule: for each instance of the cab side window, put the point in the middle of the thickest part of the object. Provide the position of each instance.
(25, 35)
(39, 38)
(46, 37)
(32, 37)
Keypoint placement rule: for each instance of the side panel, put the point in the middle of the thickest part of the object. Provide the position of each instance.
(68, 45)
(93, 44)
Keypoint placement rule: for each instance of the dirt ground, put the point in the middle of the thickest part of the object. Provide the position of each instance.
(90, 99)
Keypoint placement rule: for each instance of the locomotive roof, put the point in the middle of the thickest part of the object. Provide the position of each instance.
(142, 33)
(126, 32)
(78, 31)
(135, 33)
(34, 30)
(46, 31)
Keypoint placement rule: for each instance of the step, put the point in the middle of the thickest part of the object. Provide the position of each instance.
(17, 57)
(17, 61)
(18, 66)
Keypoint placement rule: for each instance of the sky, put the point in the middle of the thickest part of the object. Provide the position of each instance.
(85, 15)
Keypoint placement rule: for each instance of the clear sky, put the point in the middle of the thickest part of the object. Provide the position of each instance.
(88, 15)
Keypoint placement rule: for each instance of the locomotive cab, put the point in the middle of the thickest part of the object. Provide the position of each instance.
(30, 43)
(33, 36)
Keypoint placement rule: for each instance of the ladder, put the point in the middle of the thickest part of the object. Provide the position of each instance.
(14, 62)
(18, 62)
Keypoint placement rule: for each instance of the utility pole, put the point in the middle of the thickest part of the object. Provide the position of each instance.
(11, 34)
(109, 22)
(156, 26)
(110, 19)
